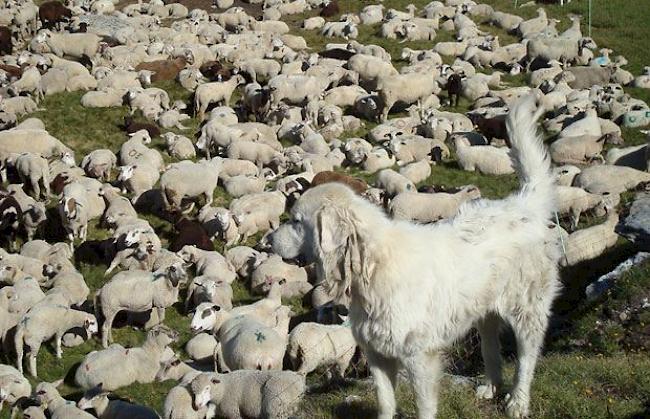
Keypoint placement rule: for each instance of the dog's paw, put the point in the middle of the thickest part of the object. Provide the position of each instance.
(516, 406)
(486, 392)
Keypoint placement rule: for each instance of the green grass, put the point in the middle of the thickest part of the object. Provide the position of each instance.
(595, 364)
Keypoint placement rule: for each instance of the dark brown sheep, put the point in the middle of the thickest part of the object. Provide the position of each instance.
(454, 88)
(12, 71)
(330, 9)
(491, 128)
(131, 126)
(6, 43)
(163, 69)
(190, 233)
(53, 12)
(357, 185)
(215, 71)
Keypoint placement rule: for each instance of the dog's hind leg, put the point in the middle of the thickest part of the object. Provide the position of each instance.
(424, 371)
(488, 328)
(384, 372)
(529, 326)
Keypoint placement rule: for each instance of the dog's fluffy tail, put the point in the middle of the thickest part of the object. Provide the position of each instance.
(530, 158)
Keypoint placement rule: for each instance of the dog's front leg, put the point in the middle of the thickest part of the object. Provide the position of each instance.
(424, 371)
(384, 372)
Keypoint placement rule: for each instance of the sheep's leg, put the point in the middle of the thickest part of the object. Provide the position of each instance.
(488, 328)
(106, 329)
(575, 218)
(425, 370)
(208, 198)
(57, 342)
(384, 371)
(33, 352)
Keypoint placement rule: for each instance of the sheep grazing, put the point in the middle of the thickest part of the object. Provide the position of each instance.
(268, 394)
(131, 127)
(157, 291)
(44, 322)
(357, 185)
(52, 12)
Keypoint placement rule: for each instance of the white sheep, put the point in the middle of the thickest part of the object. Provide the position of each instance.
(378, 159)
(99, 164)
(134, 151)
(189, 180)
(313, 345)
(274, 269)
(312, 23)
(178, 146)
(238, 186)
(153, 291)
(209, 263)
(44, 322)
(34, 171)
(214, 92)
(76, 45)
(117, 367)
(643, 81)
(13, 387)
(58, 407)
(430, 207)
(201, 347)
(394, 183)
(486, 159)
(80, 202)
(244, 259)
(417, 171)
(269, 394)
(591, 242)
(259, 153)
(564, 175)
(172, 118)
(371, 68)
(578, 149)
(137, 179)
(612, 179)
(574, 201)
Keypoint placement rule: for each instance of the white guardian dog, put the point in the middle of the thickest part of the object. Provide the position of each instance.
(416, 289)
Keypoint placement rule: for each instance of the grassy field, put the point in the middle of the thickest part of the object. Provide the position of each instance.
(595, 365)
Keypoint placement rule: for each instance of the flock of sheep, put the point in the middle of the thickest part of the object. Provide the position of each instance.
(290, 130)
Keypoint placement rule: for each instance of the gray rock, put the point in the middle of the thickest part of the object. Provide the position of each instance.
(636, 226)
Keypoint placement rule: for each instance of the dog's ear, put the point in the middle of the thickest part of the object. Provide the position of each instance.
(332, 228)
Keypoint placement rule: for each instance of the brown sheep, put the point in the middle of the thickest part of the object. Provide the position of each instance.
(6, 43)
(130, 126)
(357, 185)
(330, 9)
(190, 233)
(163, 69)
(215, 71)
(53, 12)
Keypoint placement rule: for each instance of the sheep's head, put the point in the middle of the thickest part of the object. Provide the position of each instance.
(91, 326)
(142, 135)
(126, 172)
(188, 253)
(175, 273)
(203, 388)
(205, 317)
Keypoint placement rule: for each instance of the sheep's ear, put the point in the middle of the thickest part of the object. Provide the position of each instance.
(282, 281)
(216, 308)
(57, 383)
(215, 381)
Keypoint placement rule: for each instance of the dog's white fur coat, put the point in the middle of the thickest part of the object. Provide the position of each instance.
(416, 289)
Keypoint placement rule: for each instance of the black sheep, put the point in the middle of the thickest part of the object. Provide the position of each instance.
(454, 88)
(52, 12)
(6, 43)
(190, 233)
(330, 9)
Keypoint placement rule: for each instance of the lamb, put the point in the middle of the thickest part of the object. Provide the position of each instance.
(591, 242)
(178, 405)
(486, 159)
(417, 171)
(43, 322)
(189, 180)
(209, 289)
(117, 206)
(276, 394)
(117, 367)
(99, 164)
(393, 182)
(573, 201)
(137, 179)
(218, 222)
(153, 291)
(612, 179)
(34, 171)
(257, 212)
(58, 407)
(29, 82)
(275, 269)
(575, 150)
(80, 202)
(214, 92)
(313, 345)
(71, 284)
(14, 388)
(75, 45)
(103, 98)
(97, 399)
(244, 260)
(31, 266)
(430, 207)
(172, 118)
